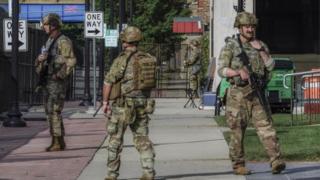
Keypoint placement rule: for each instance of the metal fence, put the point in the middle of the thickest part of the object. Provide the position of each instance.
(26, 74)
(172, 78)
(306, 97)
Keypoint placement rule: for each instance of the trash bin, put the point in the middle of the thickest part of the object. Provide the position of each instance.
(208, 100)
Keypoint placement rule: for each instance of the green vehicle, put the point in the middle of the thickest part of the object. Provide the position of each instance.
(279, 97)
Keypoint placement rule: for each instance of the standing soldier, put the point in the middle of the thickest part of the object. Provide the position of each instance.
(194, 62)
(242, 103)
(129, 83)
(54, 65)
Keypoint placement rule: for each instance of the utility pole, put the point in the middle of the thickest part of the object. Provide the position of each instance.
(87, 99)
(211, 32)
(101, 61)
(112, 26)
(121, 19)
(14, 114)
(131, 9)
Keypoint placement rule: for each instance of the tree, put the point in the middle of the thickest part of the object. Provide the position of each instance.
(155, 18)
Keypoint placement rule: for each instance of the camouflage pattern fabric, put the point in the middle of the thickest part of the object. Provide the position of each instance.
(193, 73)
(243, 105)
(228, 58)
(61, 66)
(132, 114)
(131, 109)
(121, 71)
(240, 107)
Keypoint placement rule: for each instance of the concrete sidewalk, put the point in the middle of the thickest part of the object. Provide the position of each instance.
(22, 150)
(188, 145)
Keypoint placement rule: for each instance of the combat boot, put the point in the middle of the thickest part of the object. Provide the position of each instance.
(62, 142)
(241, 170)
(110, 178)
(49, 147)
(278, 166)
(146, 177)
(56, 146)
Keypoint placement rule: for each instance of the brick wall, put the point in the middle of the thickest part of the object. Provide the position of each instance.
(200, 8)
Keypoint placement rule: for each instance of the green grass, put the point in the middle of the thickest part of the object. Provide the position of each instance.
(297, 143)
(280, 120)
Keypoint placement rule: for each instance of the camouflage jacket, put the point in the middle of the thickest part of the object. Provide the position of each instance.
(123, 72)
(228, 58)
(62, 58)
(194, 58)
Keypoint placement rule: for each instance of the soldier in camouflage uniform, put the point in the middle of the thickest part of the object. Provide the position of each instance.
(242, 104)
(54, 65)
(130, 109)
(194, 62)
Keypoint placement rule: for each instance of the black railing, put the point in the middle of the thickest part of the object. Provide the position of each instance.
(305, 103)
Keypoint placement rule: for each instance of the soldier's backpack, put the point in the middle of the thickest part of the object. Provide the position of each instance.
(144, 71)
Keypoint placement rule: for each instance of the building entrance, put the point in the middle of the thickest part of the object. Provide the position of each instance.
(289, 26)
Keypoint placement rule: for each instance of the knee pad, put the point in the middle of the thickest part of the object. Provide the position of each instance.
(143, 143)
(114, 144)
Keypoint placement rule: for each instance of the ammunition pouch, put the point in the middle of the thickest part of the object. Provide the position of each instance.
(115, 91)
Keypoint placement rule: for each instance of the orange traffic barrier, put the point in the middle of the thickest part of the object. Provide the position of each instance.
(311, 93)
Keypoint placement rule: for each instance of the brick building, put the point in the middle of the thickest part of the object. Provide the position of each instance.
(201, 8)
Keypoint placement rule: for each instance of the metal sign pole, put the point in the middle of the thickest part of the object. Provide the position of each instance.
(86, 100)
(101, 59)
(94, 64)
(14, 113)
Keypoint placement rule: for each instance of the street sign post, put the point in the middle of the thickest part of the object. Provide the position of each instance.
(7, 35)
(93, 25)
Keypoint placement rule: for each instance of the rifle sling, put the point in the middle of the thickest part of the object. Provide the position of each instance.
(52, 43)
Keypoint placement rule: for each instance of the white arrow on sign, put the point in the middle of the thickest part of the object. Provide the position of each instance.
(7, 34)
(93, 24)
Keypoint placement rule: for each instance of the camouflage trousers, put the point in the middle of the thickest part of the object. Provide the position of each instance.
(241, 106)
(132, 114)
(194, 82)
(53, 107)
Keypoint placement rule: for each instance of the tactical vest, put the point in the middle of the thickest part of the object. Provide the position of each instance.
(54, 66)
(144, 71)
(140, 74)
(235, 63)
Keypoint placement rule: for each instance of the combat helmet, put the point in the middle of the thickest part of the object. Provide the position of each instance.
(131, 34)
(195, 42)
(52, 19)
(245, 18)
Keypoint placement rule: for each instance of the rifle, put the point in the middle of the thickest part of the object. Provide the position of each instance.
(43, 76)
(257, 84)
(107, 114)
(44, 73)
(95, 113)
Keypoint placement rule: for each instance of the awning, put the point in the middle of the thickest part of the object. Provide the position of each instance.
(187, 25)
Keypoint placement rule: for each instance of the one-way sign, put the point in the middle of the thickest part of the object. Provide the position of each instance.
(7, 35)
(93, 25)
